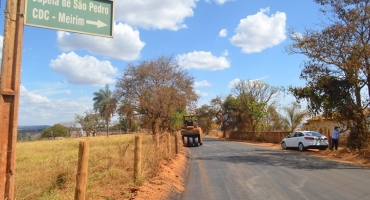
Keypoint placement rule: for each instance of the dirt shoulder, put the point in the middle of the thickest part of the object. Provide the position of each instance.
(170, 181)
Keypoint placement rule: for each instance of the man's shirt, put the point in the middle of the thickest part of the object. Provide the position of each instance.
(336, 134)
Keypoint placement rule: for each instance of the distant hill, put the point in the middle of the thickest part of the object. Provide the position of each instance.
(30, 132)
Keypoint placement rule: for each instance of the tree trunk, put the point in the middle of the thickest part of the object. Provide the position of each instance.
(368, 84)
(358, 95)
(130, 124)
(107, 128)
(153, 128)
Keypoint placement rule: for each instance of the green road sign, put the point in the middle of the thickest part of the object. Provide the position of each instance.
(94, 17)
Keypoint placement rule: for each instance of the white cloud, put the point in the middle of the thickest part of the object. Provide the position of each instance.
(258, 32)
(202, 94)
(203, 83)
(125, 45)
(220, 2)
(84, 70)
(164, 14)
(233, 82)
(202, 60)
(225, 53)
(31, 98)
(34, 108)
(297, 35)
(222, 33)
(47, 89)
(263, 77)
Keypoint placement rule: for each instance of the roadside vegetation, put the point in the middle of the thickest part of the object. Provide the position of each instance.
(337, 69)
(47, 169)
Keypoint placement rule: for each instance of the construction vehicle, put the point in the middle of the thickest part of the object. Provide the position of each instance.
(191, 132)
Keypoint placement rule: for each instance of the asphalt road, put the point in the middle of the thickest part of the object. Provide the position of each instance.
(225, 170)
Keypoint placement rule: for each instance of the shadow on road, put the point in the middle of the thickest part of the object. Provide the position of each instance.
(286, 158)
(211, 139)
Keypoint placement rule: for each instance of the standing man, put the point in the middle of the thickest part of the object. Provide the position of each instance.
(335, 138)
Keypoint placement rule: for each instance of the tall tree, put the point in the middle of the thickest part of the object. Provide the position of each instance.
(71, 125)
(337, 71)
(206, 115)
(157, 89)
(254, 98)
(105, 104)
(222, 113)
(294, 115)
(91, 123)
(126, 108)
(273, 120)
(176, 121)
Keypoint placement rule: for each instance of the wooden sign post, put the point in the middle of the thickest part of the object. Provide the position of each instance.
(9, 94)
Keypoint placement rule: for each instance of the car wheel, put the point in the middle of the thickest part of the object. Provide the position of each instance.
(283, 146)
(301, 147)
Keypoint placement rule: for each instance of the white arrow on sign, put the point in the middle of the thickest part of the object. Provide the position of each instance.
(98, 23)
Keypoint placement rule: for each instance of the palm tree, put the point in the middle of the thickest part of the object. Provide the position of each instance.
(294, 116)
(105, 104)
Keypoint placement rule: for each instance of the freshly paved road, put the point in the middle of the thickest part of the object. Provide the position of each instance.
(221, 170)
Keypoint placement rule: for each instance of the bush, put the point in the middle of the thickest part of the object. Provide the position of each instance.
(57, 130)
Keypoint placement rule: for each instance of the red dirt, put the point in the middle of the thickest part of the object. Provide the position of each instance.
(170, 180)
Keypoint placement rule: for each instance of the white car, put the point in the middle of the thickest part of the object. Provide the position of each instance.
(304, 140)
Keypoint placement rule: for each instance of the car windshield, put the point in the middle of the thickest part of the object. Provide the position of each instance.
(313, 134)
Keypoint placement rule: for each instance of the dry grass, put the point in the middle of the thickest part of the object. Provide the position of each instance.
(47, 169)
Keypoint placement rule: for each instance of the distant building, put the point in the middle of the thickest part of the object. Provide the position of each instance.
(319, 122)
(82, 133)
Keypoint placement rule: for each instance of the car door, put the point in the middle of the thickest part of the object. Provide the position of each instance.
(289, 140)
(297, 139)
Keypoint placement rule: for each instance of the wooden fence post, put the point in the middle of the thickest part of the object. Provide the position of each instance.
(137, 157)
(81, 178)
(177, 143)
(169, 143)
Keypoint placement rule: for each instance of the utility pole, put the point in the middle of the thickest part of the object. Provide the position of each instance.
(9, 94)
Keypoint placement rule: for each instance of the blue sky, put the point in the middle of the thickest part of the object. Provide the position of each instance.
(219, 42)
